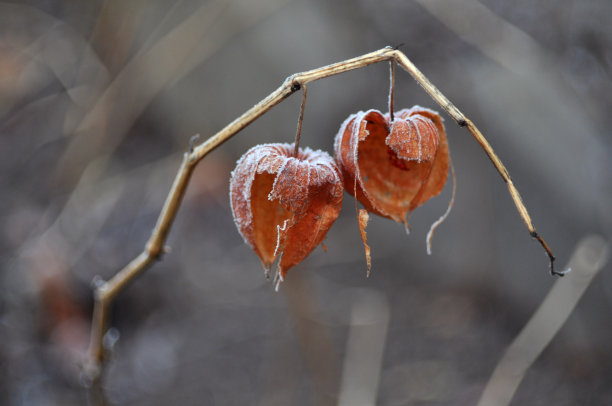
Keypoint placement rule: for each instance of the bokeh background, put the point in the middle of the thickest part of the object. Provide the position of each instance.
(98, 100)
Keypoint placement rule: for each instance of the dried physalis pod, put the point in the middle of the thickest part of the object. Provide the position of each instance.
(283, 205)
(392, 166)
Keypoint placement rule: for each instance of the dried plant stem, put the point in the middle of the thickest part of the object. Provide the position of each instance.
(105, 292)
(298, 132)
(391, 87)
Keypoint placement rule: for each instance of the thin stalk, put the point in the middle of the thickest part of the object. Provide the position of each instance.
(391, 87)
(299, 125)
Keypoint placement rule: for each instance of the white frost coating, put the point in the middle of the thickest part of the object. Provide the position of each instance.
(358, 117)
(445, 215)
(246, 167)
(278, 236)
(289, 192)
(307, 180)
(411, 134)
(349, 118)
(416, 107)
(273, 194)
(242, 166)
(340, 136)
(336, 173)
(355, 148)
(401, 145)
(313, 176)
(332, 170)
(420, 142)
(427, 122)
(278, 279)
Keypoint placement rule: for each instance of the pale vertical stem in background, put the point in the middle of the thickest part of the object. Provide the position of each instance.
(364, 349)
(587, 260)
(314, 338)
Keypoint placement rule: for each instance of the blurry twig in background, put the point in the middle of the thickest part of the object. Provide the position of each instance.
(92, 202)
(503, 42)
(106, 291)
(363, 360)
(587, 260)
(104, 107)
(314, 338)
(167, 60)
(104, 126)
(110, 109)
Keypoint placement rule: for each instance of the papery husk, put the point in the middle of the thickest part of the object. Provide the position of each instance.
(397, 165)
(283, 206)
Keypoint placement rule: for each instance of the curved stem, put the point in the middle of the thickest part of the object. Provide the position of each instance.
(105, 292)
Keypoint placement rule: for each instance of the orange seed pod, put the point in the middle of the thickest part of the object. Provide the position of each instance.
(283, 205)
(392, 166)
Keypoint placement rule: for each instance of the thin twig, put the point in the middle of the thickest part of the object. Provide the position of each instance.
(299, 125)
(107, 291)
(391, 87)
(516, 197)
(443, 217)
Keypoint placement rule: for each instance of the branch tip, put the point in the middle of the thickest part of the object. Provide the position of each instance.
(551, 257)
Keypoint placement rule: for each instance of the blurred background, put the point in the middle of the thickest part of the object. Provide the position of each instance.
(98, 101)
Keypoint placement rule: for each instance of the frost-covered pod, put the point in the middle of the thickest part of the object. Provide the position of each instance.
(283, 205)
(392, 167)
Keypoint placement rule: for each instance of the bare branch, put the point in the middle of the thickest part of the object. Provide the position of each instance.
(107, 291)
